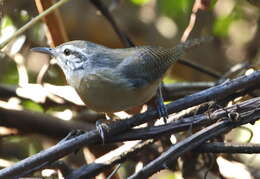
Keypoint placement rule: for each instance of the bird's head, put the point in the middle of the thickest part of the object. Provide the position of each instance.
(72, 56)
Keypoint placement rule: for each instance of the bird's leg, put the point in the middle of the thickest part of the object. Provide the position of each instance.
(160, 107)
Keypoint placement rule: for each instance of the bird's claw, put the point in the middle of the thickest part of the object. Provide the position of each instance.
(102, 128)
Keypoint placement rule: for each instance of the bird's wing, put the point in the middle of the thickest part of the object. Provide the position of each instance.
(146, 64)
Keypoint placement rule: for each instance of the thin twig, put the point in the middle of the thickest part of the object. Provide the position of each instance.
(52, 154)
(42, 73)
(185, 35)
(105, 11)
(195, 140)
(180, 148)
(42, 123)
(192, 21)
(108, 160)
(32, 22)
(235, 69)
(247, 109)
(221, 147)
(55, 31)
(200, 68)
(195, 121)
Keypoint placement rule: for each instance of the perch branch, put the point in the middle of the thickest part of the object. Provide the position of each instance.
(60, 150)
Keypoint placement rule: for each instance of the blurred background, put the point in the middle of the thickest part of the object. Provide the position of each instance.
(233, 23)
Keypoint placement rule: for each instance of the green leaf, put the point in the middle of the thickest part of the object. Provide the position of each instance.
(222, 24)
(9, 74)
(32, 106)
(175, 8)
(212, 4)
(6, 21)
(168, 80)
(179, 10)
(24, 16)
(140, 2)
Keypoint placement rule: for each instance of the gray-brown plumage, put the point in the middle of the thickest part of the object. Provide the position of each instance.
(111, 80)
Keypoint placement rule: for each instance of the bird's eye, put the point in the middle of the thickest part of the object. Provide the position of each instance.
(67, 52)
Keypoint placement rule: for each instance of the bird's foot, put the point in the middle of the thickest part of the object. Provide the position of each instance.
(103, 129)
(103, 125)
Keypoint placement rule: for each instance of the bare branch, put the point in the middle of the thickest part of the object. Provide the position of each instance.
(196, 139)
(60, 150)
(221, 147)
(42, 123)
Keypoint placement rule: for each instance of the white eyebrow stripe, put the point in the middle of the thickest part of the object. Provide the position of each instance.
(77, 49)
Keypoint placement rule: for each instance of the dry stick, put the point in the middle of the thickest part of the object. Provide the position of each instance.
(60, 150)
(108, 160)
(184, 123)
(55, 31)
(180, 148)
(185, 35)
(32, 22)
(221, 147)
(94, 168)
(42, 73)
(104, 10)
(192, 21)
(200, 68)
(218, 92)
(42, 123)
(235, 69)
(175, 91)
(22, 120)
(196, 139)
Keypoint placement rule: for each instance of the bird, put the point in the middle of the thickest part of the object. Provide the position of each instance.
(111, 80)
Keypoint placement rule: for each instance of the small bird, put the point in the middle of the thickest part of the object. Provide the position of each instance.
(111, 80)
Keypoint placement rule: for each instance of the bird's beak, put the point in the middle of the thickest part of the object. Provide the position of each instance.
(46, 50)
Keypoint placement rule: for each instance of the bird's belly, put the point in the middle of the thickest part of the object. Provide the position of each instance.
(104, 96)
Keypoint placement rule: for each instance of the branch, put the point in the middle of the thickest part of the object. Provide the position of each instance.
(195, 140)
(220, 147)
(176, 90)
(216, 93)
(184, 124)
(42, 123)
(245, 109)
(200, 68)
(32, 22)
(60, 150)
(55, 31)
(104, 10)
(108, 160)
